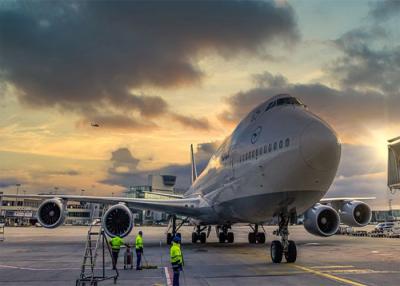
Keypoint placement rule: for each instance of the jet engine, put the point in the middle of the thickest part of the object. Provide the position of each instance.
(321, 220)
(355, 213)
(118, 221)
(51, 213)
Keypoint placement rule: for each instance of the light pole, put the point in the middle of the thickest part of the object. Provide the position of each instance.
(82, 191)
(112, 194)
(16, 199)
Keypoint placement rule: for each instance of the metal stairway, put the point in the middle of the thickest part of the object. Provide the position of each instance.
(96, 241)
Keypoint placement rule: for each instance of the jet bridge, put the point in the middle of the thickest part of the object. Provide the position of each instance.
(394, 164)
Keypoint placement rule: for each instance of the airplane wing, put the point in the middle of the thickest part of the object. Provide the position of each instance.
(345, 199)
(185, 206)
(165, 195)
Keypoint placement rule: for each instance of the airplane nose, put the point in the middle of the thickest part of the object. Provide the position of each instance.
(320, 147)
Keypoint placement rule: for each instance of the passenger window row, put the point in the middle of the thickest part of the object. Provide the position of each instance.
(267, 148)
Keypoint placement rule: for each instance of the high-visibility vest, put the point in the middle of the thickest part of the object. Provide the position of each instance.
(176, 254)
(116, 242)
(139, 241)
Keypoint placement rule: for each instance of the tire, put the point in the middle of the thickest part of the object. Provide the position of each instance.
(169, 238)
(194, 237)
(252, 237)
(203, 237)
(230, 237)
(291, 254)
(276, 251)
(221, 237)
(260, 237)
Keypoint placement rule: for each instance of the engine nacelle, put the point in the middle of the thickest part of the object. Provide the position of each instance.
(117, 221)
(51, 213)
(321, 220)
(355, 213)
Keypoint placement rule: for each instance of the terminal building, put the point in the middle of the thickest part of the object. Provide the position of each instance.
(22, 211)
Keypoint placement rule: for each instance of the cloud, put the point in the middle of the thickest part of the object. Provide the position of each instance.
(86, 56)
(383, 10)
(359, 160)
(365, 63)
(123, 161)
(9, 182)
(340, 107)
(191, 122)
(124, 171)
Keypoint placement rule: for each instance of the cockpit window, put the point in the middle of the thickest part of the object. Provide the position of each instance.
(288, 100)
(283, 101)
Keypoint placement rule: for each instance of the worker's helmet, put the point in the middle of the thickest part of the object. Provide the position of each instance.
(176, 239)
(140, 232)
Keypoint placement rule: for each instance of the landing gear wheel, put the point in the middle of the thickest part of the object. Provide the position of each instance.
(260, 237)
(203, 237)
(221, 237)
(252, 237)
(291, 253)
(169, 238)
(230, 237)
(194, 237)
(276, 251)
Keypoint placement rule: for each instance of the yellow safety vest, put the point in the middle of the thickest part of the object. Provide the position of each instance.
(116, 242)
(139, 242)
(176, 254)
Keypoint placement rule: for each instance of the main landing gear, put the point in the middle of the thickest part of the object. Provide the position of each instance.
(256, 236)
(285, 247)
(174, 228)
(199, 234)
(224, 235)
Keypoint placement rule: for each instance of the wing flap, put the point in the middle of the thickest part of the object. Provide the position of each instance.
(345, 199)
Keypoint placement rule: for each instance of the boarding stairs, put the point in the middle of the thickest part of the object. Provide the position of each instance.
(96, 242)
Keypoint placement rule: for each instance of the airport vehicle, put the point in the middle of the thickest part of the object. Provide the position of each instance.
(279, 161)
(387, 226)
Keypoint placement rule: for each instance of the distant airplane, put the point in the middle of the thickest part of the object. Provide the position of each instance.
(95, 125)
(279, 162)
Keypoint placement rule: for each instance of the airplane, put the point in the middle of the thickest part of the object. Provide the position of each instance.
(279, 162)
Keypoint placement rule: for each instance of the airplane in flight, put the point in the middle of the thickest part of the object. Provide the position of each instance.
(279, 162)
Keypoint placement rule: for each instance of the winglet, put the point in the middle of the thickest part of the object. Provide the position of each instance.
(194, 171)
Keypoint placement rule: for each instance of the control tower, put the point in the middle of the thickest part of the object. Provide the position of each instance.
(394, 164)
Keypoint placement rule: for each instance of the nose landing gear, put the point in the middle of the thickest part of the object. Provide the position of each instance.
(285, 247)
(224, 235)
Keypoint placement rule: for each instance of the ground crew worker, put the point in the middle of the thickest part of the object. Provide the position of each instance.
(176, 259)
(139, 250)
(116, 243)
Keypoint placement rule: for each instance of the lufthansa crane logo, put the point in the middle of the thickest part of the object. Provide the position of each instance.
(256, 133)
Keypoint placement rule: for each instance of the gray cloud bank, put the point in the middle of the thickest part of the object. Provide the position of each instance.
(124, 171)
(86, 56)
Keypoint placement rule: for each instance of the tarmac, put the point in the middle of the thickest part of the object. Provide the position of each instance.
(38, 256)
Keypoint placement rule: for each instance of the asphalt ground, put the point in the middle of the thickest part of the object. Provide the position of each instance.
(38, 256)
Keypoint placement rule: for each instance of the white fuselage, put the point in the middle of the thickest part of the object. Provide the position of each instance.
(279, 159)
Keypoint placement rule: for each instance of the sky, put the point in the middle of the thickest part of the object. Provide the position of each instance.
(158, 76)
